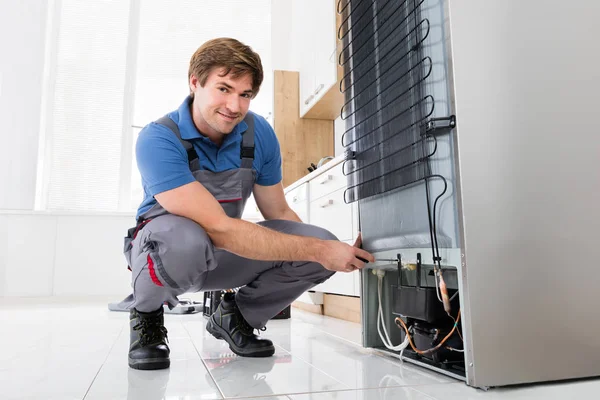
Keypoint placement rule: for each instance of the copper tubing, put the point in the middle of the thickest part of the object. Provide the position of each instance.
(445, 297)
(424, 352)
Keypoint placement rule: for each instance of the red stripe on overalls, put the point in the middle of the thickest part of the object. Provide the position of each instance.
(229, 200)
(152, 271)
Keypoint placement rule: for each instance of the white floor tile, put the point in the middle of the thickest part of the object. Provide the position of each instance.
(186, 378)
(395, 393)
(278, 375)
(346, 330)
(55, 350)
(205, 343)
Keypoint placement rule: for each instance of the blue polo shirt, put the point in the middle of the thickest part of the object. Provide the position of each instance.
(163, 162)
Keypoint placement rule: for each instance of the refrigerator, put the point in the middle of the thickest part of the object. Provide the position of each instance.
(473, 153)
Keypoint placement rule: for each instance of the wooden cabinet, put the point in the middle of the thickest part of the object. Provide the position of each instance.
(320, 97)
(302, 141)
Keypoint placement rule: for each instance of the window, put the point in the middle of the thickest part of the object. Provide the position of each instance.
(119, 70)
(86, 103)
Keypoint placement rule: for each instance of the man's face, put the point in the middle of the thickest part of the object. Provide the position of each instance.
(222, 103)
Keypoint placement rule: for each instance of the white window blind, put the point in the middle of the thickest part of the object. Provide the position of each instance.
(85, 123)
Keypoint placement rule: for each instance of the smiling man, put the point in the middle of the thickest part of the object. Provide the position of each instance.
(199, 164)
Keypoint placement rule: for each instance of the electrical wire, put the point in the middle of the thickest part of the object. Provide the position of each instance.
(380, 322)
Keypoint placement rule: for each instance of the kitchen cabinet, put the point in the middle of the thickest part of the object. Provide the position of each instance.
(316, 39)
(318, 199)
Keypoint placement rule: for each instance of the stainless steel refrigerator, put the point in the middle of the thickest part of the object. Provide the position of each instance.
(473, 135)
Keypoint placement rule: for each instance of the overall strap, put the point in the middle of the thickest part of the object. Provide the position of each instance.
(247, 146)
(247, 152)
(189, 148)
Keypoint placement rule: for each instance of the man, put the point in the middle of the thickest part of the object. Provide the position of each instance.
(199, 164)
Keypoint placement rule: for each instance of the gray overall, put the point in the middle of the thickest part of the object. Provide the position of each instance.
(170, 255)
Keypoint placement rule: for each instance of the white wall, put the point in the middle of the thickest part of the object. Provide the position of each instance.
(22, 43)
(51, 254)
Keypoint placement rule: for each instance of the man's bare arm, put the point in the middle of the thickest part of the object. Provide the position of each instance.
(272, 203)
(253, 241)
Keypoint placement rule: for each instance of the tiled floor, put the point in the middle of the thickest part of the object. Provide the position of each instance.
(76, 349)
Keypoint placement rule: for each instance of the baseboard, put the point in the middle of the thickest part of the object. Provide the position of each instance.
(313, 308)
(342, 307)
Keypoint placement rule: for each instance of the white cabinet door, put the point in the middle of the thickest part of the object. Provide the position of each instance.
(307, 82)
(297, 199)
(330, 212)
(340, 283)
(301, 209)
(325, 63)
(328, 182)
(322, 199)
(304, 44)
(316, 43)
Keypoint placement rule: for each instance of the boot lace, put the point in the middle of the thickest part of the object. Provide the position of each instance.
(243, 325)
(151, 330)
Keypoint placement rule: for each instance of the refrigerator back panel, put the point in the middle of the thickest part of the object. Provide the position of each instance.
(396, 91)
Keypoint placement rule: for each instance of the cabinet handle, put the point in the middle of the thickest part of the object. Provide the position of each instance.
(326, 179)
(308, 100)
(321, 86)
(326, 203)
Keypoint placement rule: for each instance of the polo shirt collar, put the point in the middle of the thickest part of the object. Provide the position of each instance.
(189, 131)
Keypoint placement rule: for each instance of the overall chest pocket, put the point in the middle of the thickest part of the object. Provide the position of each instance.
(225, 186)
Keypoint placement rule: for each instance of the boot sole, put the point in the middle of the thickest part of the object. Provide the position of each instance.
(149, 363)
(220, 333)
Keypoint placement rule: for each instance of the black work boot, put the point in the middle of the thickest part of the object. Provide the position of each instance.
(228, 323)
(148, 340)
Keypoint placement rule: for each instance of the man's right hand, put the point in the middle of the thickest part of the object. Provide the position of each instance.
(339, 256)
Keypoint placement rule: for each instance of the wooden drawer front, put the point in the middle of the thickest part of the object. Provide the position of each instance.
(330, 212)
(297, 195)
(328, 182)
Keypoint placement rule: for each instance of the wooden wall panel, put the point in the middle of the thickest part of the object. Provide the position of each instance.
(302, 141)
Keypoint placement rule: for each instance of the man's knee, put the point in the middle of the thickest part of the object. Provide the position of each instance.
(323, 275)
(299, 228)
(321, 233)
(179, 249)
